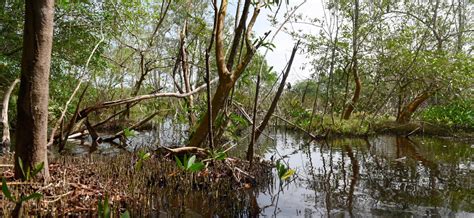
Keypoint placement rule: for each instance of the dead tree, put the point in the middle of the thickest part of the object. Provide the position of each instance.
(256, 132)
(6, 127)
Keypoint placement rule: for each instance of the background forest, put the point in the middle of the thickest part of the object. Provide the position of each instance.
(119, 67)
(379, 60)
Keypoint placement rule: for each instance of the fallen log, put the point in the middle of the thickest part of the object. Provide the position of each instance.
(201, 152)
(86, 111)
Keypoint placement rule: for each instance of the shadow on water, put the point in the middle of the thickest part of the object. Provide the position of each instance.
(379, 176)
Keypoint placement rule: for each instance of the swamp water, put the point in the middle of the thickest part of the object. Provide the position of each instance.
(382, 176)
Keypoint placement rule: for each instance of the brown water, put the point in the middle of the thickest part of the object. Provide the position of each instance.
(375, 177)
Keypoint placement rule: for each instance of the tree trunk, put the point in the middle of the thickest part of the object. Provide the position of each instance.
(218, 101)
(406, 113)
(355, 98)
(186, 75)
(272, 108)
(6, 125)
(227, 76)
(32, 106)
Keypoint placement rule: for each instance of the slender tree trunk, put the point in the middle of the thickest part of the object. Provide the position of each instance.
(355, 98)
(186, 76)
(407, 112)
(303, 96)
(138, 84)
(459, 41)
(254, 121)
(273, 106)
(6, 126)
(31, 138)
(208, 101)
(315, 105)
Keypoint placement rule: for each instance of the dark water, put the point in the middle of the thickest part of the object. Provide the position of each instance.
(383, 176)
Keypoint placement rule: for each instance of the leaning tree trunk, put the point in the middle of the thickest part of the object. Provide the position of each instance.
(406, 113)
(32, 106)
(6, 126)
(273, 106)
(355, 98)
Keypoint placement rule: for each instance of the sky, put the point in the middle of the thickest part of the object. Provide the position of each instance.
(284, 43)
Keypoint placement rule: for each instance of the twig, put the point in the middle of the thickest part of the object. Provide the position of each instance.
(58, 197)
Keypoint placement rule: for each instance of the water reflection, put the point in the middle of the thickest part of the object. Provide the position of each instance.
(378, 176)
(163, 133)
(384, 176)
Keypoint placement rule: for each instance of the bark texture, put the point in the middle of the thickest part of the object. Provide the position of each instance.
(410, 108)
(227, 75)
(31, 134)
(6, 126)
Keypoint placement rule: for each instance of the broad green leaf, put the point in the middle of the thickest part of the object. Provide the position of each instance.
(191, 162)
(106, 208)
(100, 208)
(196, 167)
(6, 191)
(128, 133)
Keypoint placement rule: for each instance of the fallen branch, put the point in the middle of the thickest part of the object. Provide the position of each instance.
(315, 137)
(187, 150)
(83, 113)
(57, 198)
(114, 115)
(134, 126)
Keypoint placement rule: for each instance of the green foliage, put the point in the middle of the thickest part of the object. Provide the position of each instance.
(103, 208)
(28, 174)
(129, 133)
(238, 120)
(6, 192)
(218, 155)
(141, 157)
(284, 172)
(455, 114)
(300, 115)
(125, 214)
(189, 164)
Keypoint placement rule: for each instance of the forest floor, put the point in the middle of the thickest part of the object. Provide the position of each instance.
(78, 184)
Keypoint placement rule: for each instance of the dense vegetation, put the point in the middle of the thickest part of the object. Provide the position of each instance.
(377, 66)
